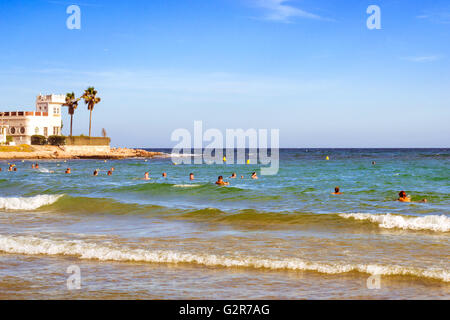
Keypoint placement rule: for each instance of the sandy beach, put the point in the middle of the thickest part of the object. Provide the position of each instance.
(62, 152)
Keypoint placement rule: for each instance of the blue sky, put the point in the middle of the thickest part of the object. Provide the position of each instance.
(310, 68)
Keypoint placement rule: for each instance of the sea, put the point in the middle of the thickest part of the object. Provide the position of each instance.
(282, 236)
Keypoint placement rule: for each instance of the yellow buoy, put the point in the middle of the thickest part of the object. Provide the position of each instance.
(327, 158)
(224, 159)
(248, 161)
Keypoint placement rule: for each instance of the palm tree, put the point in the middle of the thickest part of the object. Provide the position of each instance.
(90, 98)
(72, 104)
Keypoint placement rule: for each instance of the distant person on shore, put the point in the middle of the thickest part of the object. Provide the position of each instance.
(109, 173)
(337, 191)
(191, 176)
(220, 182)
(146, 177)
(68, 171)
(254, 176)
(164, 175)
(233, 175)
(95, 173)
(403, 197)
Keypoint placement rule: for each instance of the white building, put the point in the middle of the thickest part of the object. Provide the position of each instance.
(21, 125)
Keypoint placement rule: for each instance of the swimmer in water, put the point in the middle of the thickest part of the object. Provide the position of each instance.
(254, 176)
(242, 177)
(403, 197)
(337, 191)
(11, 166)
(68, 171)
(36, 166)
(95, 172)
(109, 173)
(164, 175)
(15, 169)
(32, 166)
(112, 169)
(146, 177)
(220, 182)
(233, 175)
(191, 176)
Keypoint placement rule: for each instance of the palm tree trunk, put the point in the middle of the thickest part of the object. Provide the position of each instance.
(90, 121)
(71, 120)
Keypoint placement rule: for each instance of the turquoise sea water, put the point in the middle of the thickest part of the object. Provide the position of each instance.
(281, 236)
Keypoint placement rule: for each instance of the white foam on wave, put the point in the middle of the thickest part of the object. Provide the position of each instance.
(83, 250)
(388, 221)
(186, 185)
(27, 203)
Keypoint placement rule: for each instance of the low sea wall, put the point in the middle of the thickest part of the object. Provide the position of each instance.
(87, 141)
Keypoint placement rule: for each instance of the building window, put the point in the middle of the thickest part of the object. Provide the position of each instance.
(45, 131)
(12, 130)
(22, 130)
(55, 131)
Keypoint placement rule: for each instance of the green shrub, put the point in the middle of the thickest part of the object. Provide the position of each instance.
(38, 140)
(9, 139)
(57, 140)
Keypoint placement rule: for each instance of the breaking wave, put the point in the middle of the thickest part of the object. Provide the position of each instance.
(38, 246)
(389, 221)
(27, 203)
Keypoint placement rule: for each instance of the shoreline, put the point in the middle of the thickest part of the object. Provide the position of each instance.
(61, 152)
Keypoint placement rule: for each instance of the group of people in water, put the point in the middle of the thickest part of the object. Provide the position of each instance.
(219, 181)
(402, 196)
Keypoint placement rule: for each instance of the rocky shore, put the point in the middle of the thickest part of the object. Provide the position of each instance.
(62, 152)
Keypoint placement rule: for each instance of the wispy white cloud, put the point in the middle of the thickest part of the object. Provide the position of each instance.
(442, 17)
(281, 11)
(428, 58)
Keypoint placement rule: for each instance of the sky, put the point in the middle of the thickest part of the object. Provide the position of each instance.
(310, 68)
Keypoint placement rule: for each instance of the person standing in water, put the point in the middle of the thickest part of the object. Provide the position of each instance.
(403, 197)
(220, 182)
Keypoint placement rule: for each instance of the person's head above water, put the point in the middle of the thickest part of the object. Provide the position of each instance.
(164, 175)
(336, 190)
(233, 175)
(219, 178)
(402, 194)
(191, 176)
(95, 173)
(109, 173)
(68, 171)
